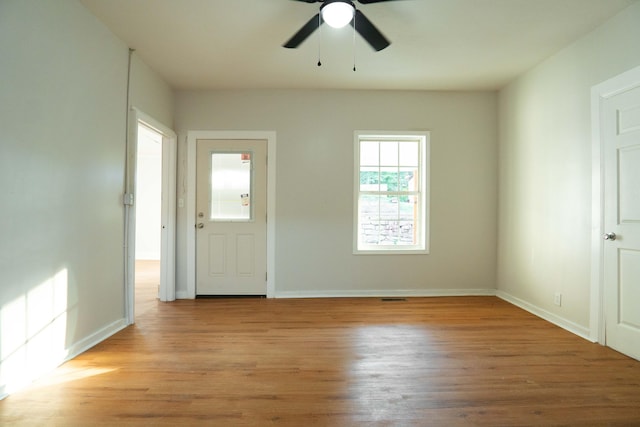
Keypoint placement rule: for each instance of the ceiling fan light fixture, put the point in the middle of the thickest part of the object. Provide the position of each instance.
(337, 14)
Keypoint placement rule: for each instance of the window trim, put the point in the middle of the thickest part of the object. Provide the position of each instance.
(424, 217)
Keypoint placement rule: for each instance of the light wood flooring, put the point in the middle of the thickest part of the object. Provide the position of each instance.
(463, 361)
(147, 283)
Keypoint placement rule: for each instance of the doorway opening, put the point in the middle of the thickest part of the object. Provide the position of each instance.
(148, 217)
(150, 202)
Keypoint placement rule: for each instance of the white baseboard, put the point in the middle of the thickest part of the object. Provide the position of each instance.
(374, 293)
(95, 338)
(568, 325)
(387, 293)
(73, 351)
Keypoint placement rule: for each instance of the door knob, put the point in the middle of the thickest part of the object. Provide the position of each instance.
(609, 236)
(200, 225)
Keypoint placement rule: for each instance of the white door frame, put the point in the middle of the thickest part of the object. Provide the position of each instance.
(168, 212)
(599, 94)
(192, 138)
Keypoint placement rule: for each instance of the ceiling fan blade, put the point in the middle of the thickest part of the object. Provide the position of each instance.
(304, 32)
(369, 32)
(313, 1)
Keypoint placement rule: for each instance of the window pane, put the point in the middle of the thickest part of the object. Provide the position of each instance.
(389, 208)
(390, 235)
(408, 208)
(369, 153)
(396, 233)
(389, 179)
(368, 219)
(369, 179)
(369, 207)
(230, 186)
(406, 233)
(409, 153)
(408, 179)
(389, 153)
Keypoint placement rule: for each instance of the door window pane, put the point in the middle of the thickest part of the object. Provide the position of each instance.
(231, 196)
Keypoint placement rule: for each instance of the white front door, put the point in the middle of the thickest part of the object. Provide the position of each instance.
(621, 133)
(231, 217)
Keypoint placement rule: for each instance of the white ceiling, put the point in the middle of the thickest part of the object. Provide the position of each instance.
(436, 44)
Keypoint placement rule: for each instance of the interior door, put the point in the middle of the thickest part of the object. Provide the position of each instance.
(621, 132)
(231, 222)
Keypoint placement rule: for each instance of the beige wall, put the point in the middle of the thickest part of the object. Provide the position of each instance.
(63, 79)
(149, 93)
(545, 170)
(314, 206)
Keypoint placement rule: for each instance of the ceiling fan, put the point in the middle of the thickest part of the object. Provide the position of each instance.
(339, 13)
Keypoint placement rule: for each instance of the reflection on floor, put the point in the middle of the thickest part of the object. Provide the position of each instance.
(147, 283)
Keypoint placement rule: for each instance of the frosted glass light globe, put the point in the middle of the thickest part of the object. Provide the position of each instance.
(337, 14)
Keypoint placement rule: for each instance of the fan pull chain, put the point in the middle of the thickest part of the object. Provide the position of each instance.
(319, 37)
(354, 44)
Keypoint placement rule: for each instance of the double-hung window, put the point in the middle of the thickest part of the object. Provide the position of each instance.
(391, 192)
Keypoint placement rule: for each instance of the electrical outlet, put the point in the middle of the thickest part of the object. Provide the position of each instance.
(557, 299)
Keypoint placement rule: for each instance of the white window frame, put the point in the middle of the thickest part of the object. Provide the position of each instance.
(422, 220)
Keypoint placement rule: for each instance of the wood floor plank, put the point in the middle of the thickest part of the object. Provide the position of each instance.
(336, 362)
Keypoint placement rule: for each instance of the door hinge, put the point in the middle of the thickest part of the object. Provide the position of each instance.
(127, 199)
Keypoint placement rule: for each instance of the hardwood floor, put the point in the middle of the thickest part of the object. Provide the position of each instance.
(147, 284)
(461, 361)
